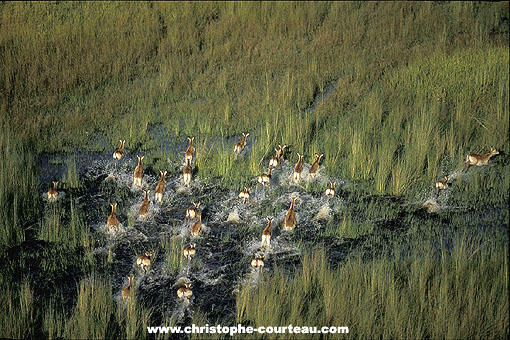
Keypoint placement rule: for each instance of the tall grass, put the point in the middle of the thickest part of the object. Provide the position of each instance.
(423, 296)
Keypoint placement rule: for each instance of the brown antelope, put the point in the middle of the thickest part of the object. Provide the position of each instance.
(53, 193)
(112, 221)
(158, 197)
(241, 144)
(298, 168)
(315, 166)
(273, 162)
(191, 212)
(144, 207)
(189, 252)
(185, 292)
(441, 185)
(138, 172)
(258, 262)
(476, 159)
(330, 191)
(190, 150)
(266, 234)
(197, 226)
(127, 291)
(245, 194)
(144, 262)
(290, 217)
(265, 179)
(281, 152)
(119, 153)
(186, 173)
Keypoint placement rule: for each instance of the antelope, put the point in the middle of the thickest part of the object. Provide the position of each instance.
(298, 168)
(258, 262)
(441, 185)
(119, 153)
(112, 221)
(186, 173)
(273, 162)
(126, 291)
(241, 144)
(185, 292)
(195, 229)
(144, 262)
(265, 179)
(189, 252)
(158, 197)
(476, 159)
(290, 217)
(281, 151)
(138, 172)
(330, 191)
(266, 234)
(144, 207)
(53, 193)
(315, 166)
(191, 212)
(245, 194)
(189, 151)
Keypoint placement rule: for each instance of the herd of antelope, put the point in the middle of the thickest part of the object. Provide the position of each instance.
(192, 212)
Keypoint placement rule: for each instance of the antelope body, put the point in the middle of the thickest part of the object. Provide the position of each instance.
(126, 291)
(112, 221)
(189, 252)
(315, 166)
(258, 262)
(441, 185)
(241, 144)
(138, 172)
(298, 168)
(265, 179)
(330, 191)
(190, 150)
(266, 234)
(186, 173)
(53, 193)
(158, 197)
(144, 262)
(191, 212)
(185, 292)
(290, 217)
(119, 153)
(245, 194)
(144, 207)
(197, 226)
(477, 159)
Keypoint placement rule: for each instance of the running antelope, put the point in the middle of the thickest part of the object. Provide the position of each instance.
(441, 185)
(53, 193)
(266, 234)
(330, 191)
(112, 221)
(158, 197)
(185, 292)
(197, 226)
(119, 153)
(241, 144)
(127, 291)
(189, 252)
(144, 208)
(138, 172)
(298, 168)
(476, 159)
(191, 212)
(315, 166)
(190, 150)
(186, 173)
(290, 217)
(245, 194)
(258, 262)
(265, 179)
(144, 262)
